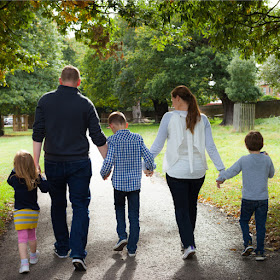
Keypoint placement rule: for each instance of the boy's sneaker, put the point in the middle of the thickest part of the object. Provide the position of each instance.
(131, 254)
(79, 264)
(120, 245)
(60, 256)
(24, 268)
(188, 253)
(34, 259)
(247, 251)
(260, 256)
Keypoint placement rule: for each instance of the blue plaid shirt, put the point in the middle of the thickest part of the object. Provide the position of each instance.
(125, 150)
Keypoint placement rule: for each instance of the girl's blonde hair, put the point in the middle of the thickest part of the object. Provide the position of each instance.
(193, 111)
(25, 169)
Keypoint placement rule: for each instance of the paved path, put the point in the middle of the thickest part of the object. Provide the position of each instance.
(158, 257)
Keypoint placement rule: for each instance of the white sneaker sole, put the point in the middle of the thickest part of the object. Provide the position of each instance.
(131, 254)
(260, 258)
(34, 260)
(24, 270)
(60, 256)
(79, 265)
(188, 256)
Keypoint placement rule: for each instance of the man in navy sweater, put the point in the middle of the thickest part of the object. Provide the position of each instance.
(62, 120)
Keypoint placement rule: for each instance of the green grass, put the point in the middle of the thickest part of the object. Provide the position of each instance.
(230, 146)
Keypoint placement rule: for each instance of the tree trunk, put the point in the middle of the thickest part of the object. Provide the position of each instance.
(31, 119)
(228, 110)
(1, 125)
(136, 113)
(161, 107)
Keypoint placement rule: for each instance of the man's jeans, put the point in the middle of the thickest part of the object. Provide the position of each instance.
(248, 207)
(133, 216)
(75, 174)
(185, 194)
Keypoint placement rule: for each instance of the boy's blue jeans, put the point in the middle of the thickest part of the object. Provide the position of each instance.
(133, 216)
(248, 208)
(75, 174)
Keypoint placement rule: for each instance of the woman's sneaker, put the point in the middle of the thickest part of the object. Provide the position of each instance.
(188, 253)
(24, 268)
(34, 259)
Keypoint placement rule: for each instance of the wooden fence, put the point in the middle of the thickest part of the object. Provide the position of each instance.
(243, 117)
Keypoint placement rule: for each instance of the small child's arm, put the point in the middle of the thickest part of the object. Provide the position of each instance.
(149, 163)
(44, 185)
(229, 173)
(11, 178)
(271, 170)
(107, 163)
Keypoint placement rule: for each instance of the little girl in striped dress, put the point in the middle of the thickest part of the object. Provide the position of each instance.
(25, 179)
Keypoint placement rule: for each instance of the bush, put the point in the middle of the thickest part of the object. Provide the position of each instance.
(268, 98)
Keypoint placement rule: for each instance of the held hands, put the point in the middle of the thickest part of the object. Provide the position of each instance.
(148, 173)
(37, 166)
(106, 177)
(219, 183)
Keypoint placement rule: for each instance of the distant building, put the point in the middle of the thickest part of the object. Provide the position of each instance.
(268, 90)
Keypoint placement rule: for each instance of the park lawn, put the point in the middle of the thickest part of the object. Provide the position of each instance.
(230, 146)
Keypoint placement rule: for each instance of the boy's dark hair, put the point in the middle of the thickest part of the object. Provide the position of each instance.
(117, 118)
(254, 141)
(70, 74)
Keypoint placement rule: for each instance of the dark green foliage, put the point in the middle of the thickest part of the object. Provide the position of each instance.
(242, 84)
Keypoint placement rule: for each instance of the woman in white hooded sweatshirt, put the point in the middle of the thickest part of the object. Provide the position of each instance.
(188, 134)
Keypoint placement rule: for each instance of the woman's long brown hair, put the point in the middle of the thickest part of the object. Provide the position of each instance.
(25, 169)
(193, 115)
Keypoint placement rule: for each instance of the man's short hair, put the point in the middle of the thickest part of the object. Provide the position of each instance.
(70, 74)
(117, 118)
(254, 141)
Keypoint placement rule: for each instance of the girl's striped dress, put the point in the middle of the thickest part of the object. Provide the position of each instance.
(26, 207)
(26, 218)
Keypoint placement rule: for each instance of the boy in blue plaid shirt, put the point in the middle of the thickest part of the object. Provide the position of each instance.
(125, 151)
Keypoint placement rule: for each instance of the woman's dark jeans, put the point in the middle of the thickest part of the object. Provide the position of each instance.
(185, 194)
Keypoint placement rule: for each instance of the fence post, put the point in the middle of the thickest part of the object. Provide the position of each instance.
(243, 117)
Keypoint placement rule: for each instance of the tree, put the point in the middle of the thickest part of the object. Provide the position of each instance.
(270, 72)
(145, 73)
(193, 63)
(242, 89)
(98, 81)
(250, 26)
(242, 84)
(24, 89)
(15, 16)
